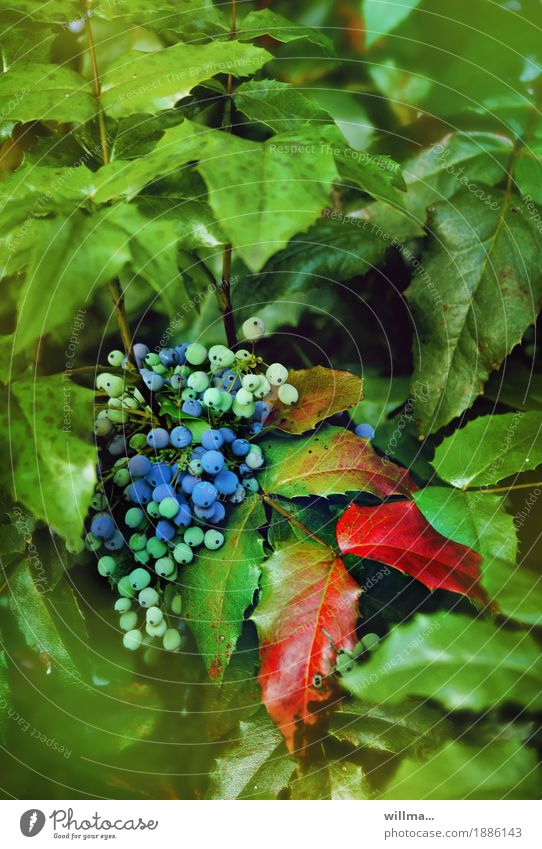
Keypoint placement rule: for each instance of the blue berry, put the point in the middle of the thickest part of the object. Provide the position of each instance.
(255, 427)
(140, 352)
(184, 516)
(188, 483)
(181, 437)
(240, 447)
(169, 357)
(163, 490)
(226, 482)
(165, 531)
(115, 543)
(159, 473)
(212, 462)
(219, 513)
(152, 381)
(204, 494)
(140, 492)
(158, 438)
(139, 466)
(117, 445)
(227, 435)
(212, 439)
(192, 408)
(365, 431)
(103, 526)
(181, 353)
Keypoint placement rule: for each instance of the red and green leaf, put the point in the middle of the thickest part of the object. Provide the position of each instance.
(398, 535)
(332, 461)
(308, 610)
(322, 393)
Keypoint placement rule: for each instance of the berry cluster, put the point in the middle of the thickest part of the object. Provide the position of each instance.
(165, 487)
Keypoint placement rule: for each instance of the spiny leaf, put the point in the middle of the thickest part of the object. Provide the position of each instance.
(339, 780)
(308, 609)
(278, 105)
(465, 664)
(332, 461)
(478, 292)
(267, 22)
(489, 449)
(37, 92)
(219, 586)
(322, 393)
(398, 535)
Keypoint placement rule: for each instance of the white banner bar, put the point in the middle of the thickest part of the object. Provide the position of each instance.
(368, 825)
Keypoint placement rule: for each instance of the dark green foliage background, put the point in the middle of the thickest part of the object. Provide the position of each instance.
(431, 294)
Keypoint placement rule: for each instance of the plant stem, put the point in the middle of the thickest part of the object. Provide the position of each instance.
(512, 488)
(299, 525)
(223, 292)
(96, 84)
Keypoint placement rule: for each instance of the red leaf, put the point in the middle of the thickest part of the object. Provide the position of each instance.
(308, 609)
(398, 535)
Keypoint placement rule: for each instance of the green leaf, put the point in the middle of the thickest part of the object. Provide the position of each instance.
(267, 22)
(34, 92)
(184, 17)
(336, 248)
(264, 193)
(51, 451)
(5, 696)
(219, 586)
(479, 520)
(44, 188)
(489, 449)
(52, 11)
(383, 16)
(338, 780)
(528, 170)
(71, 257)
(472, 299)
(409, 729)
(332, 461)
(502, 769)
(41, 618)
(150, 82)
(466, 664)
(278, 105)
(256, 766)
(436, 173)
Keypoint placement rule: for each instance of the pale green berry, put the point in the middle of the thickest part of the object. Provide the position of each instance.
(139, 579)
(124, 587)
(196, 354)
(183, 553)
(122, 605)
(153, 509)
(137, 542)
(121, 477)
(164, 566)
(194, 536)
(154, 616)
(106, 566)
(213, 539)
(243, 355)
(142, 556)
(212, 397)
(156, 630)
(288, 394)
(244, 411)
(226, 402)
(244, 397)
(103, 426)
(276, 374)
(169, 507)
(92, 543)
(134, 517)
(253, 328)
(156, 547)
(148, 597)
(110, 383)
(251, 382)
(152, 359)
(172, 640)
(263, 388)
(128, 620)
(198, 381)
(132, 640)
(176, 605)
(254, 460)
(115, 358)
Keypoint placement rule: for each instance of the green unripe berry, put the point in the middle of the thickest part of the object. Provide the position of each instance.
(99, 501)
(194, 536)
(103, 426)
(176, 605)
(253, 328)
(169, 507)
(106, 566)
(153, 509)
(226, 402)
(189, 394)
(142, 556)
(139, 579)
(148, 597)
(154, 616)
(122, 605)
(128, 620)
(132, 639)
(152, 359)
(251, 484)
(160, 369)
(288, 394)
(212, 397)
(213, 539)
(134, 517)
(110, 383)
(137, 542)
(198, 381)
(164, 566)
(194, 467)
(183, 553)
(243, 355)
(92, 543)
(115, 358)
(156, 630)
(122, 477)
(124, 587)
(196, 354)
(138, 441)
(244, 411)
(221, 357)
(263, 389)
(244, 397)
(172, 639)
(277, 374)
(156, 547)
(250, 383)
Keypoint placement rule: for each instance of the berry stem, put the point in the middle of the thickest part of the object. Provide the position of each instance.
(223, 292)
(512, 488)
(299, 525)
